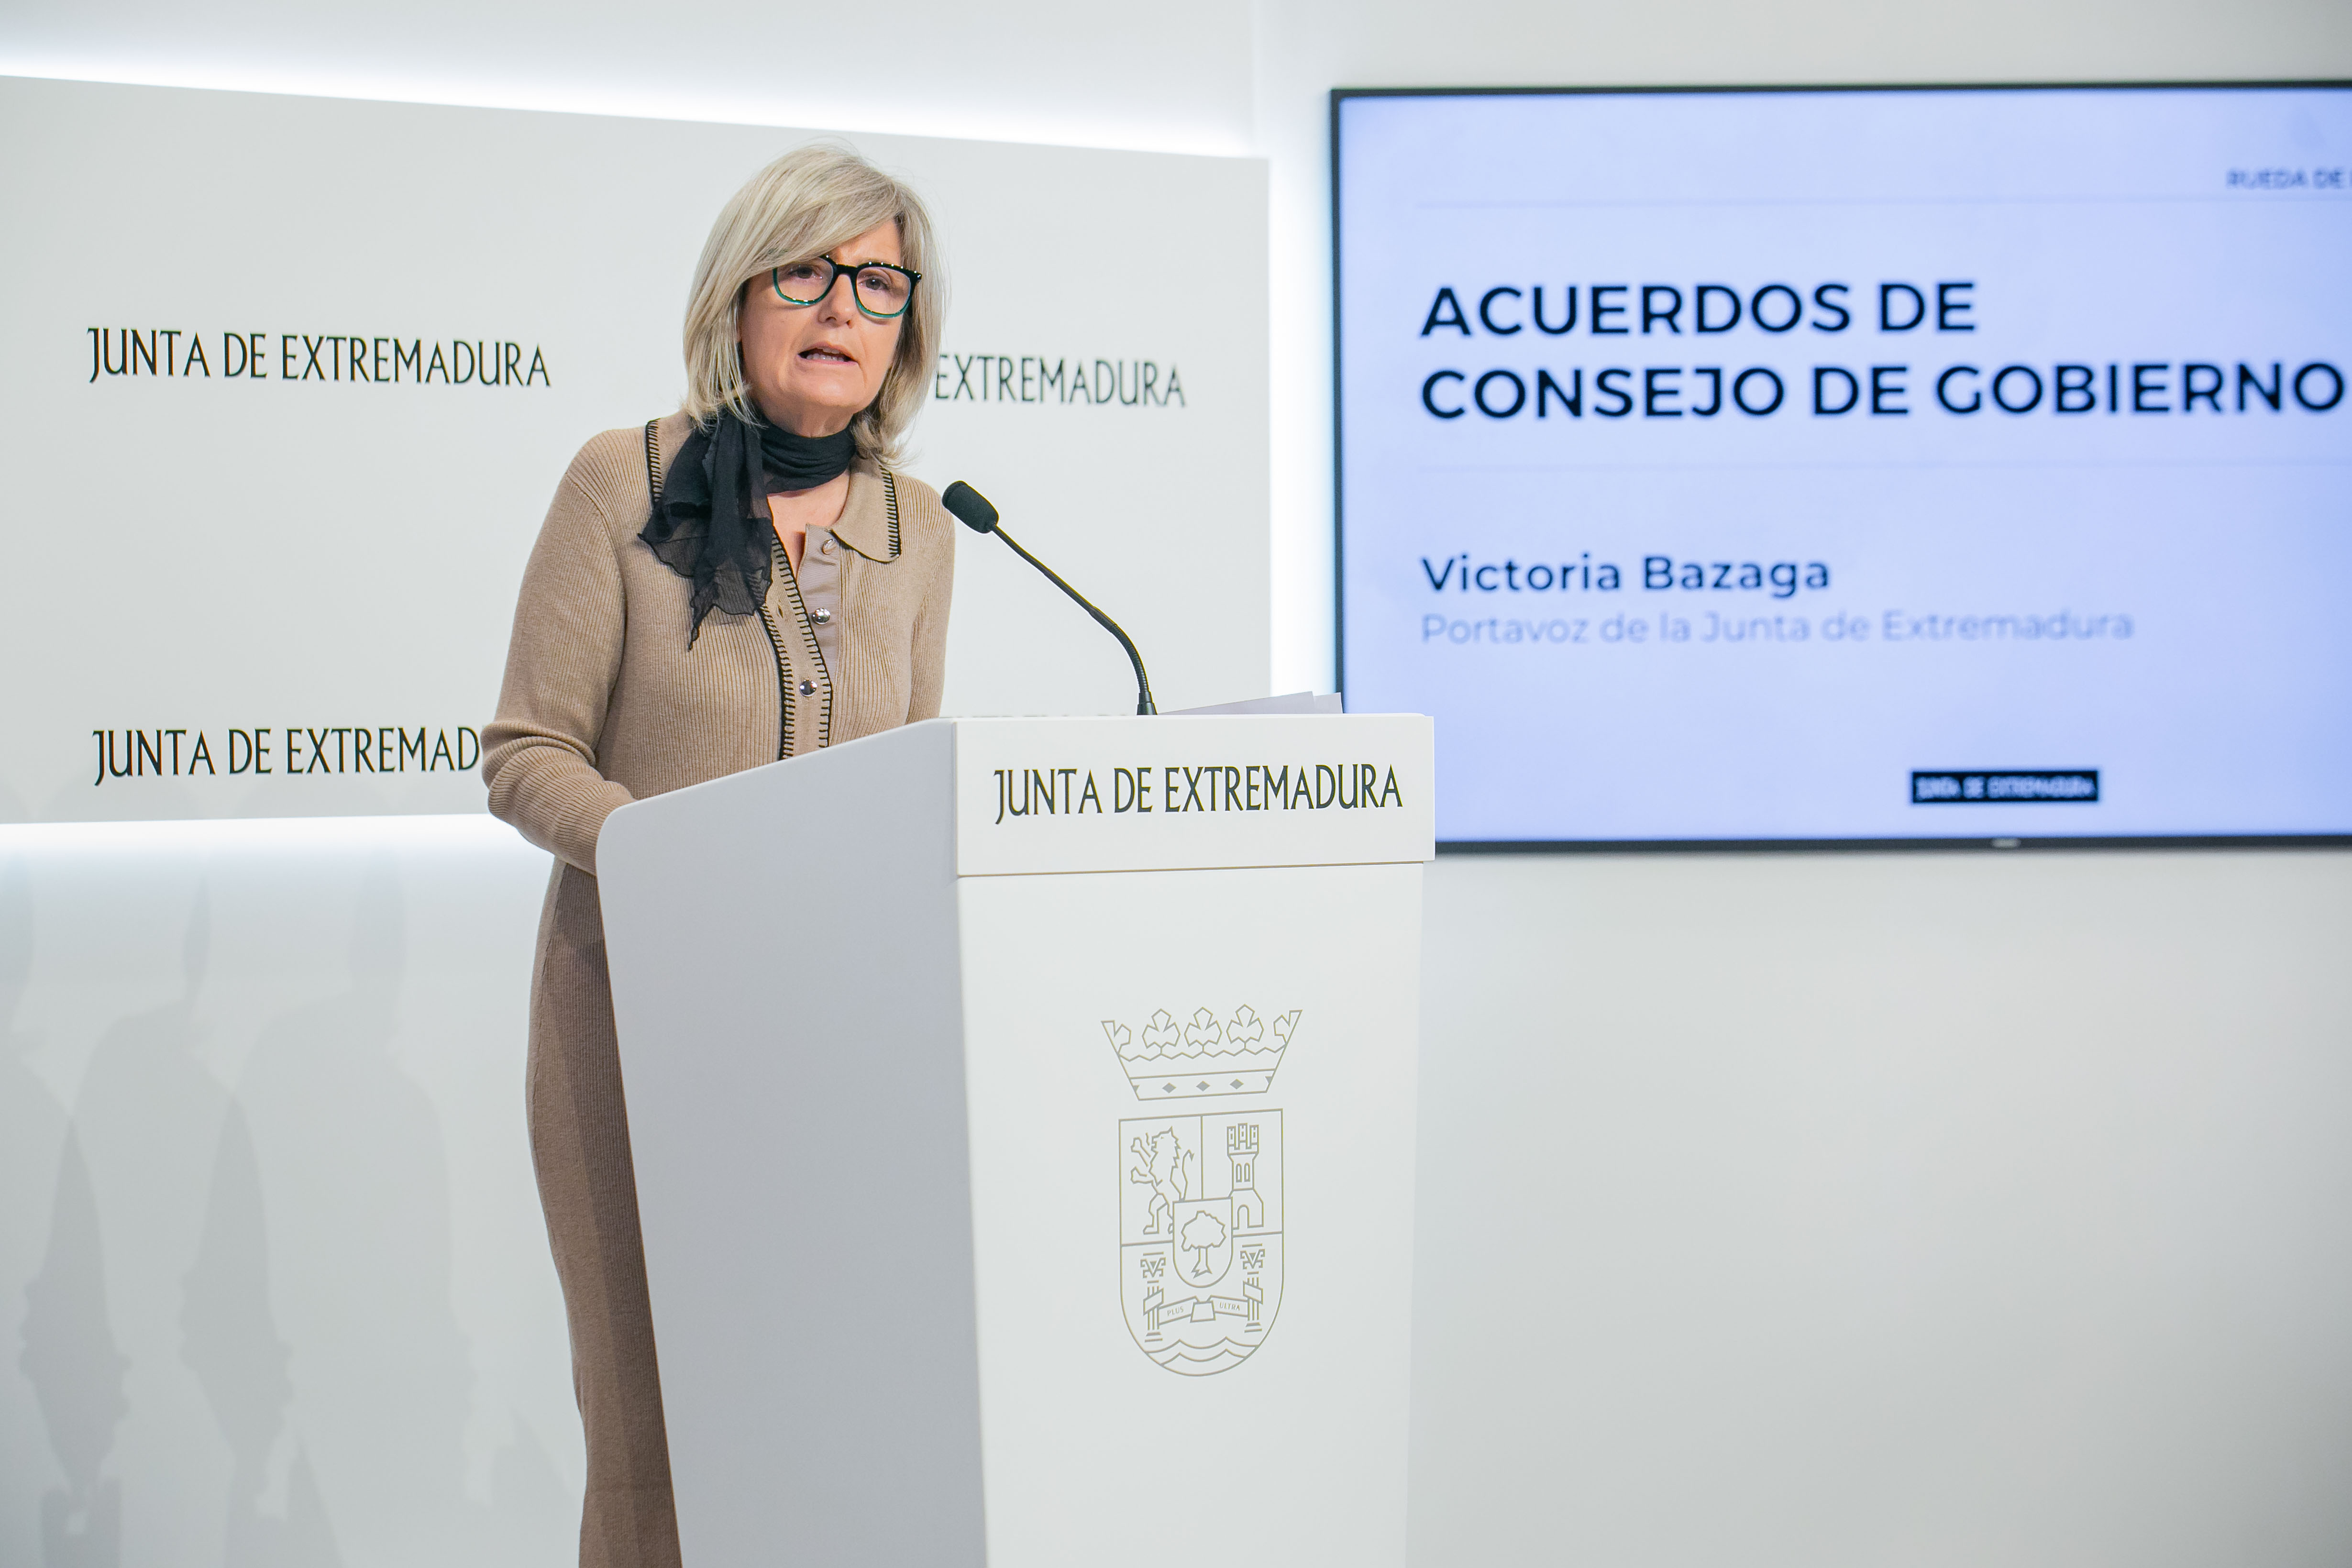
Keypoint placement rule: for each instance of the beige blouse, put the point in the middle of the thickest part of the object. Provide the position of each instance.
(603, 700)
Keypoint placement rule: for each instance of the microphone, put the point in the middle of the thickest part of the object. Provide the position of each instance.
(972, 509)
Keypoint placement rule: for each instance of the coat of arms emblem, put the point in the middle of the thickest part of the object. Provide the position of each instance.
(1201, 1192)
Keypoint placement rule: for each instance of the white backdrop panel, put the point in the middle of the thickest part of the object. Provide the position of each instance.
(334, 547)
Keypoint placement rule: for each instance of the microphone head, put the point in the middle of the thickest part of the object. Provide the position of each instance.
(970, 506)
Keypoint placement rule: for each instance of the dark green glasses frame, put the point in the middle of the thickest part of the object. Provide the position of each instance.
(776, 281)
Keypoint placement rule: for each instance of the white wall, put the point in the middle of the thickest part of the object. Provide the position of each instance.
(1887, 1209)
(1777, 1209)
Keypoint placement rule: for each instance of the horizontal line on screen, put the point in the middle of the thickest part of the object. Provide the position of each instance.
(1686, 467)
(2276, 198)
(2249, 841)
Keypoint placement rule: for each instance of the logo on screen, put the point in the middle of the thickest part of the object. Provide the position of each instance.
(2034, 787)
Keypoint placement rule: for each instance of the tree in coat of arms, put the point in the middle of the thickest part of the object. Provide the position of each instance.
(1201, 1237)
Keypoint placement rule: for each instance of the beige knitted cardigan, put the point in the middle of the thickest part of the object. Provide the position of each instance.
(604, 702)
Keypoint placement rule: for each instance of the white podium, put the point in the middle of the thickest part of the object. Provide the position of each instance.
(1022, 1112)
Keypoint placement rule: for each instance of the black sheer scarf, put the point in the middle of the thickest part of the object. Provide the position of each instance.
(710, 523)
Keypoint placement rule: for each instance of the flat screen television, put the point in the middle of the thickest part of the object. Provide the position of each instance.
(1897, 466)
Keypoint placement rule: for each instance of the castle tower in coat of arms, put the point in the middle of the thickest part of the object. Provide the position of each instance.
(1241, 1148)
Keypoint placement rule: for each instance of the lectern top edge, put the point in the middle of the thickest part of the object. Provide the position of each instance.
(1193, 793)
(1022, 797)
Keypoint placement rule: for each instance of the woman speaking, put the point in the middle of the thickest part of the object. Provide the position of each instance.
(743, 581)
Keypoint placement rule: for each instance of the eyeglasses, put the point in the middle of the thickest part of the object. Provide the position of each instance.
(882, 291)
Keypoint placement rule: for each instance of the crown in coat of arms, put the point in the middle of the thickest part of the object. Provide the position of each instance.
(1203, 1055)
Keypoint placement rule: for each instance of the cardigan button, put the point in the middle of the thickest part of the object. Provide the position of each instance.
(808, 687)
(825, 548)
(822, 617)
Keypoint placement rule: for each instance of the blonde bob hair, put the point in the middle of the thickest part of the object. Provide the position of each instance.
(808, 203)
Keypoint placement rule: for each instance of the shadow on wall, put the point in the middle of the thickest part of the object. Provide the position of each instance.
(232, 1345)
(75, 1372)
(52, 1235)
(383, 1372)
(146, 1117)
(361, 1198)
(238, 1337)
